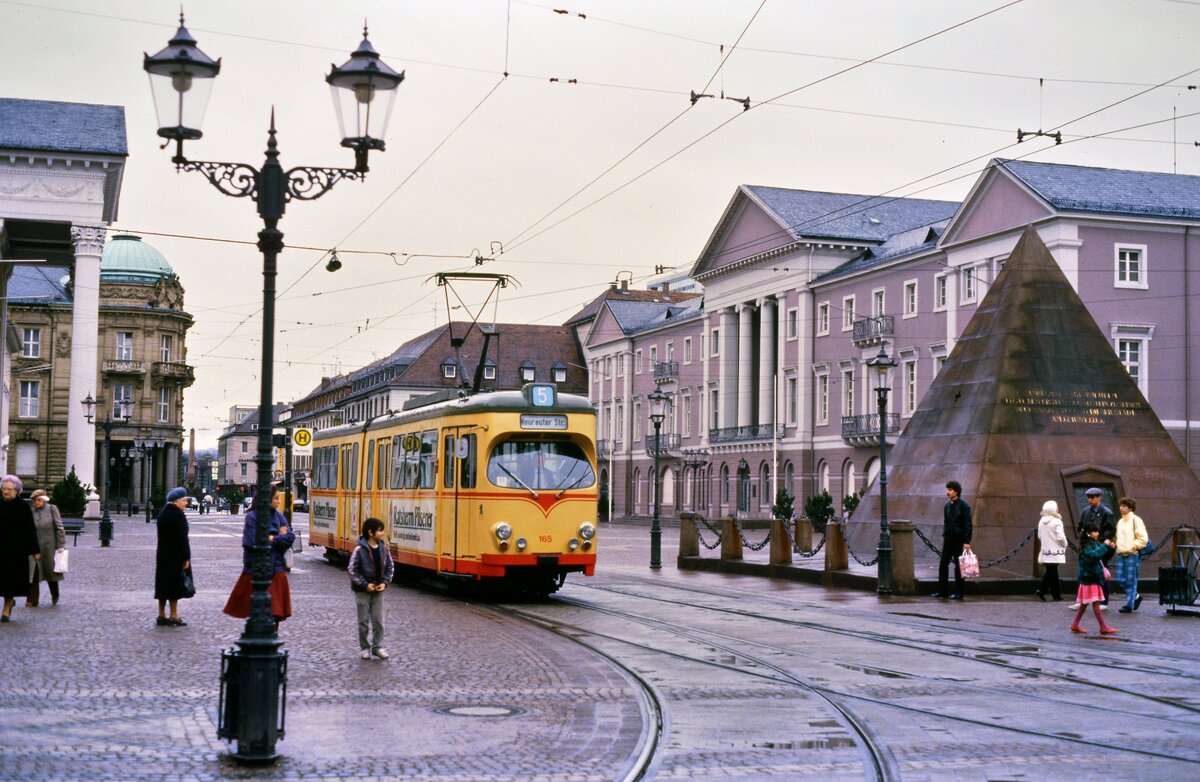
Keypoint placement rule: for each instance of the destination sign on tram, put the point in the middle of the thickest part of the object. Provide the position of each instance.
(543, 421)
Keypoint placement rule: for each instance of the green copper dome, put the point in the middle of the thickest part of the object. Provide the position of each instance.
(128, 259)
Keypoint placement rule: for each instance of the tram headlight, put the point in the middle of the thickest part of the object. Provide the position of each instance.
(587, 531)
(521, 544)
(573, 544)
(502, 531)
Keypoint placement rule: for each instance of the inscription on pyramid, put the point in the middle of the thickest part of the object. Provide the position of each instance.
(1032, 405)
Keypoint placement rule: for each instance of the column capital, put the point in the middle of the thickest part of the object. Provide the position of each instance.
(762, 301)
(88, 239)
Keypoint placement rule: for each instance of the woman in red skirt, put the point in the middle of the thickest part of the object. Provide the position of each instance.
(279, 539)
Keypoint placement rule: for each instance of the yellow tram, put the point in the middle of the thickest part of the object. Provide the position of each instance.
(498, 485)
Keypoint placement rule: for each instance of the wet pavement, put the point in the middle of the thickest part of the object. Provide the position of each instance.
(685, 675)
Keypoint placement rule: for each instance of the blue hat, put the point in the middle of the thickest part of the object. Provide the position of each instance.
(178, 493)
(1094, 492)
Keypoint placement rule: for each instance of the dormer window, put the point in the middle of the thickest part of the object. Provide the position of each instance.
(489, 370)
(559, 372)
(449, 369)
(527, 372)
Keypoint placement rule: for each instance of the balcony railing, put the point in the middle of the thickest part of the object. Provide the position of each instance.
(175, 370)
(666, 371)
(863, 430)
(735, 434)
(120, 366)
(667, 441)
(604, 447)
(872, 331)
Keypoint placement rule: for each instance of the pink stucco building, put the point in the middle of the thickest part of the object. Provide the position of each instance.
(763, 353)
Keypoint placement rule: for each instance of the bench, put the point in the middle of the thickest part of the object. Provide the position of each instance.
(73, 527)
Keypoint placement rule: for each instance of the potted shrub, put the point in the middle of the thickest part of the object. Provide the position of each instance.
(69, 495)
(784, 505)
(819, 508)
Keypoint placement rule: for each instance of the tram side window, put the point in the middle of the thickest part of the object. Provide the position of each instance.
(397, 462)
(354, 466)
(428, 459)
(370, 471)
(384, 465)
(466, 467)
(447, 459)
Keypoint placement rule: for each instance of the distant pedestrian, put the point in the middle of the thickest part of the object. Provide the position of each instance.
(371, 571)
(956, 540)
(1053, 552)
(279, 540)
(18, 542)
(1091, 574)
(1096, 511)
(51, 537)
(1131, 538)
(172, 558)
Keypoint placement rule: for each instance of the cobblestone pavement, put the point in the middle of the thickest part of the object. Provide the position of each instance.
(755, 678)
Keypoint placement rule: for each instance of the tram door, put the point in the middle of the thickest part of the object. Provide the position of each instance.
(349, 497)
(462, 509)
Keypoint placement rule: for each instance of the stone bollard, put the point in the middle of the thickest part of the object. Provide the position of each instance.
(731, 541)
(837, 556)
(904, 580)
(804, 534)
(781, 544)
(689, 536)
(1180, 537)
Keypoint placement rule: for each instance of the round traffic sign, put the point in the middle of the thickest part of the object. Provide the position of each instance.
(302, 437)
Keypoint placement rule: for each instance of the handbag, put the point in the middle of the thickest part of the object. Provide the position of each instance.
(1147, 550)
(289, 559)
(187, 585)
(60, 560)
(1107, 573)
(968, 565)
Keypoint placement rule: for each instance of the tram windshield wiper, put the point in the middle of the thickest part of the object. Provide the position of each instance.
(518, 480)
(574, 485)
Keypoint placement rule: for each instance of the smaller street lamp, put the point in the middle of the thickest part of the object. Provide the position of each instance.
(124, 413)
(147, 446)
(658, 411)
(883, 365)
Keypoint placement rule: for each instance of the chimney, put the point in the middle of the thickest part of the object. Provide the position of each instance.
(624, 285)
(612, 286)
(666, 286)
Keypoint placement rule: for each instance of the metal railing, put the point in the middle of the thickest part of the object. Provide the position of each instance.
(604, 447)
(870, 330)
(665, 371)
(667, 441)
(868, 425)
(741, 433)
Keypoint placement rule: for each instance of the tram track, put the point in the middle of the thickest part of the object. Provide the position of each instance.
(884, 767)
(957, 650)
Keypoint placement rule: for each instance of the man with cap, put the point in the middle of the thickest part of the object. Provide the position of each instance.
(1100, 515)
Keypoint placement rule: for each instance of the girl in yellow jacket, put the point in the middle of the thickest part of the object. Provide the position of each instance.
(1131, 539)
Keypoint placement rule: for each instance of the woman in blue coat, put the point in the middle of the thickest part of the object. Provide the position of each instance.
(172, 557)
(279, 539)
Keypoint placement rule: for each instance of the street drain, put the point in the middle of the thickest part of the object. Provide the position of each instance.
(479, 710)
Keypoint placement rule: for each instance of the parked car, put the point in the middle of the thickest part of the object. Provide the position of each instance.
(300, 506)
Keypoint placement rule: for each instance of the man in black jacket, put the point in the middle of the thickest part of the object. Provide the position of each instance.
(1099, 514)
(956, 540)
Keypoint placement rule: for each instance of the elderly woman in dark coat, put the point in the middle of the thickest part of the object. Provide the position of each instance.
(174, 555)
(18, 542)
(51, 536)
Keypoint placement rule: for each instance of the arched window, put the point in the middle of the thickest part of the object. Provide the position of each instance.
(822, 476)
(849, 484)
(872, 470)
(789, 478)
(724, 486)
(668, 487)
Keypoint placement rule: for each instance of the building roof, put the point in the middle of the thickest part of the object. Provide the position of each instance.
(38, 284)
(897, 247)
(51, 126)
(249, 424)
(590, 311)
(809, 213)
(635, 316)
(1109, 190)
(128, 259)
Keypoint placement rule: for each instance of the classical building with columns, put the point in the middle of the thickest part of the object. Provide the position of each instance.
(71, 330)
(768, 374)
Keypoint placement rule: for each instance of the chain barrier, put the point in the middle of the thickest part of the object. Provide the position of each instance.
(748, 544)
(787, 530)
(1028, 537)
(927, 541)
(1170, 533)
(711, 528)
(871, 563)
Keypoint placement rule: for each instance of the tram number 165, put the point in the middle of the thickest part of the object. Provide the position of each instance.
(545, 538)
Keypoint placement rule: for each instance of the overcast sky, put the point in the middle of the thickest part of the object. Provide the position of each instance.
(476, 162)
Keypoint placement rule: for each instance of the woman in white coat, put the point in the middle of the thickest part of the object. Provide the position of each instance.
(1054, 550)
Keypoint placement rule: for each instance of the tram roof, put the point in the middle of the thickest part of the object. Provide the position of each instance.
(489, 402)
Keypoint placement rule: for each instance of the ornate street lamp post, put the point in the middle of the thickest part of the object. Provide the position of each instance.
(658, 411)
(124, 413)
(883, 365)
(364, 89)
(146, 447)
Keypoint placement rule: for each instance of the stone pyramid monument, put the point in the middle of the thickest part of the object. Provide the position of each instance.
(1032, 405)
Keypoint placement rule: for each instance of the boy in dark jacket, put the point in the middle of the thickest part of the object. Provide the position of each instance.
(371, 571)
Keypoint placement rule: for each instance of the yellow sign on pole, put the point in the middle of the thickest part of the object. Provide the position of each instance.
(302, 442)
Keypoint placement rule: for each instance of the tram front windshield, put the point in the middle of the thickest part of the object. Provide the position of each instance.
(539, 465)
